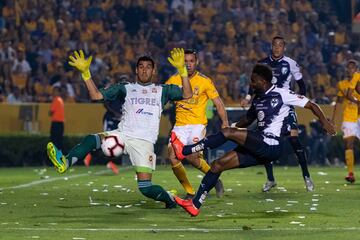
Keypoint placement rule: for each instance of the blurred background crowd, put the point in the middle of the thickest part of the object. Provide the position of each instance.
(36, 37)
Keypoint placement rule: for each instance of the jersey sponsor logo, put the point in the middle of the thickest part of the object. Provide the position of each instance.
(143, 101)
(284, 70)
(300, 96)
(133, 90)
(274, 102)
(196, 90)
(141, 111)
(154, 90)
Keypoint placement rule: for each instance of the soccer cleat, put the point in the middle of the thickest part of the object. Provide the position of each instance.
(171, 204)
(350, 178)
(113, 167)
(87, 160)
(177, 146)
(309, 184)
(57, 158)
(188, 206)
(268, 185)
(219, 187)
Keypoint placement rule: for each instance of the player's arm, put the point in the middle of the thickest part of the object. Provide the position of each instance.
(220, 108)
(79, 62)
(292, 99)
(302, 87)
(316, 110)
(296, 73)
(177, 59)
(353, 84)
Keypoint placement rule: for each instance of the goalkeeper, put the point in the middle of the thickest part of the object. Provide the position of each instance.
(139, 138)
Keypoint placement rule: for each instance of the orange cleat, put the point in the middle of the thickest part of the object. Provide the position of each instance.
(177, 146)
(350, 178)
(87, 160)
(113, 167)
(187, 205)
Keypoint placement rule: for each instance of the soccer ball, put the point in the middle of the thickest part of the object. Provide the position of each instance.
(112, 146)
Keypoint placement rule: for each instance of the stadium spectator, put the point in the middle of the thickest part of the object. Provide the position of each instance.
(56, 113)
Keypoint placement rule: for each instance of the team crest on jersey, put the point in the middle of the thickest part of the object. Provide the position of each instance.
(144, 91)
(195, 139)
(196, 90)
(284, 70)
(261, 115)
(154, 90)
(274, 102)
(274, 80)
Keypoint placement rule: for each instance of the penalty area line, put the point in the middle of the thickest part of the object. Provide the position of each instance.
(184, 229)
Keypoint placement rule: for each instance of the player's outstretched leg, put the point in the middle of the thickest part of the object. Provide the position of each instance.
(62, 163)
(211, 141)
(156, 192)
(270, 183)
(57, 158)
(300, 152)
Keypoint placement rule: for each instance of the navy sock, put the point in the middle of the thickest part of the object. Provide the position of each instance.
(269, 171)
(211, 142)
(207, 183)
(301, 155)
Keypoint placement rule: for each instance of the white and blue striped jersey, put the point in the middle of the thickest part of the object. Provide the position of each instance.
(284, 70)
(271, 108)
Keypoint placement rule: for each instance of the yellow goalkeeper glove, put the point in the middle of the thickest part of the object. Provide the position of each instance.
(79, 62)
(177, 59)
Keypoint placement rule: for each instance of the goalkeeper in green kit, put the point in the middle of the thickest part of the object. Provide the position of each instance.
(138, 130)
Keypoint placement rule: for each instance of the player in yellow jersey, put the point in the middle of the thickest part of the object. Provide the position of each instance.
(350, 117)
(190, 125)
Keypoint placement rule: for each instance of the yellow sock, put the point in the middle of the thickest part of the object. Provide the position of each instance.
(204, 166)
(180, 173)
(349, 158)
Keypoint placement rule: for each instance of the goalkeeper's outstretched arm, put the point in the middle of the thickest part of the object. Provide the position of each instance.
(79, 62)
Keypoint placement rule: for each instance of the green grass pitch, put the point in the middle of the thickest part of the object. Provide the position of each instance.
(91, 203)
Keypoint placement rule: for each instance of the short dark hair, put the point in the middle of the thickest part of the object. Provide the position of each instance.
(353, 61)
(191, 51)
(146, 58)
(263, 71)
(280, 38)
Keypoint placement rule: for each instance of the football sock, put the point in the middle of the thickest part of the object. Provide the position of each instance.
(204, 166)
(155, 192)
(349, 158)
(207, 183)
(301, 155)
(80, 151)
(180, 173)
(211, 142)
(269, 171)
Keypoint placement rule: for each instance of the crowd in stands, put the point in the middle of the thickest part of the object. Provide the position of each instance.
(230, 36)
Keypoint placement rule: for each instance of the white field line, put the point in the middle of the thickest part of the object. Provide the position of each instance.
(37, 182)
(183, 229)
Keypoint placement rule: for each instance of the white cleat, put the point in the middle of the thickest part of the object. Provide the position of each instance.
(268, 185)
(309, 184)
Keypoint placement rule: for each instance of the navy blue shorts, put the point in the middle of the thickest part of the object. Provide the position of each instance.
(258, 150)
(290, 123)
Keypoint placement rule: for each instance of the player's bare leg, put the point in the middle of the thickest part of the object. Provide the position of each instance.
(228, 161)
